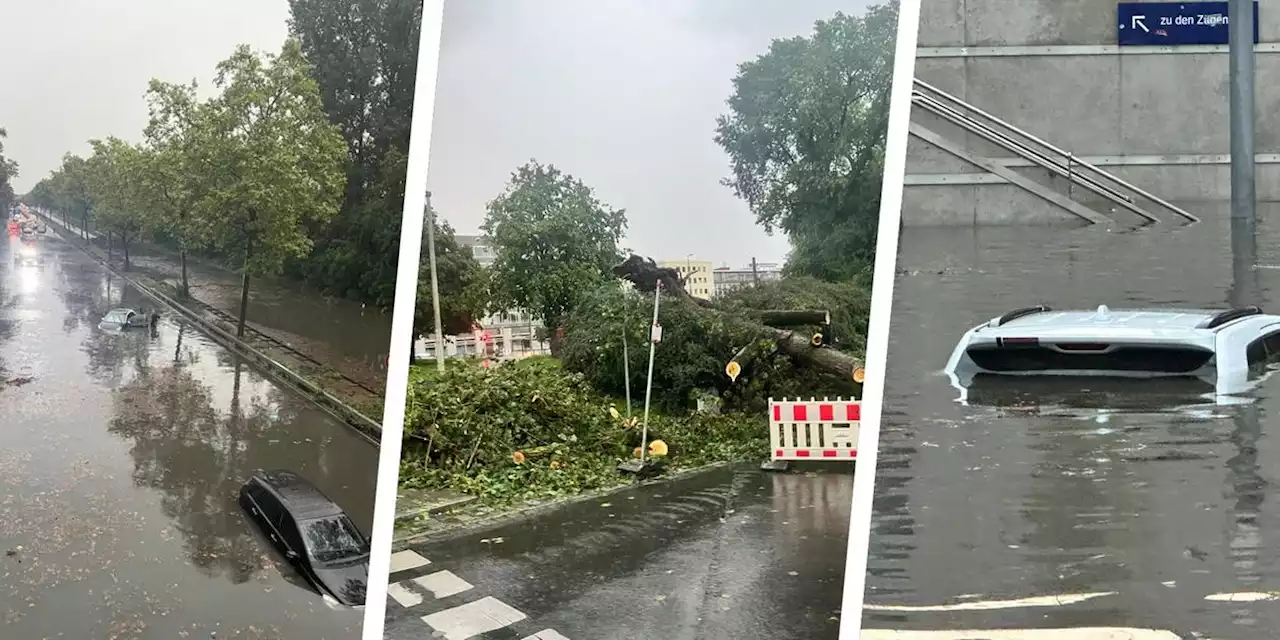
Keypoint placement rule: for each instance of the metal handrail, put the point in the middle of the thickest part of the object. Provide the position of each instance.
(959, 119)
(1074, 163)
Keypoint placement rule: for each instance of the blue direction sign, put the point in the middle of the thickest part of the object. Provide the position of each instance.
(1175, 23)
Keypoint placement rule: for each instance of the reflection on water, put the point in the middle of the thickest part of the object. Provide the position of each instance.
(122, 454)
(1040, 487)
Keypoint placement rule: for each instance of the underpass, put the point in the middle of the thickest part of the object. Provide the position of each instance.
(122, 454)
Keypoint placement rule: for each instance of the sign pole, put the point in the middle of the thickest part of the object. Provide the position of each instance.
(1241, 82)
(655, 336)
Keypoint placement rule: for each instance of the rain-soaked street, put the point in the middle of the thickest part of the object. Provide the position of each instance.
(732, 554)
(121, 456)
(1051, 506)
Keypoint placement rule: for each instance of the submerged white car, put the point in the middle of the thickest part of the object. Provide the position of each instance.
(1220, 348)
(119, 319)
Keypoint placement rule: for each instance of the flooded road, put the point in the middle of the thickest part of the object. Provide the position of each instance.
(121, 456)
(1040, 507)
(338, 332)
(730, 554)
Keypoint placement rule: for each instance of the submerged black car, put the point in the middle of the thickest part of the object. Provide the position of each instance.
(314, 534)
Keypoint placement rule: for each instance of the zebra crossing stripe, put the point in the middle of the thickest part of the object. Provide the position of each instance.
(460, 622)
(407, 560)
(474, 618)
(546, 634)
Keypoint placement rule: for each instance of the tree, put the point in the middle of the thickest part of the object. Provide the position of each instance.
(805, 134)
(553, 240)
(70, 183)
(113, 187)
(8, 171)
(364, 57)
(172, 182)
(271, 162)
(462, 284)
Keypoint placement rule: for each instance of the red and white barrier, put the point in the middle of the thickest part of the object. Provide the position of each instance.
(814, 429)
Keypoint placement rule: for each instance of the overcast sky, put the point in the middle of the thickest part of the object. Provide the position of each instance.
(623, 94)
(78, 69)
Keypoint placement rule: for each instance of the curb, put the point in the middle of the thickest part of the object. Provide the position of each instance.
(461, 500)
(366, 426)
(399, 543)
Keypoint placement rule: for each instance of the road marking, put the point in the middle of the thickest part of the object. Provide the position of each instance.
(1083, 633)
(406, 560)
(547, 634)
(986, 605)
(474, 618)
(1243, 596)
(403, 595)
(442, 584)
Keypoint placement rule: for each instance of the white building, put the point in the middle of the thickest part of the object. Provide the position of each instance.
(506, 335)
(727, 279)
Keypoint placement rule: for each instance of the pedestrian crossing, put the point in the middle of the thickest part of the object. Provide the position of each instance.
(458, 612)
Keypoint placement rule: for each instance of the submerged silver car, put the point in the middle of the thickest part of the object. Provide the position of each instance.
(117, 319)
(1219, 348)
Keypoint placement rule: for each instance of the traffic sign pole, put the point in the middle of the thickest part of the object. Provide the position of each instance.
(1241, 77)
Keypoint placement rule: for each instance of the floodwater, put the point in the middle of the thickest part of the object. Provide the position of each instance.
(338, 332)
(1149, 508)
(730, 554)
(121, 456)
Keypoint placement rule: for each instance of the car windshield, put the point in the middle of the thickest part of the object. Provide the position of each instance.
(119, 316)
(333, 539)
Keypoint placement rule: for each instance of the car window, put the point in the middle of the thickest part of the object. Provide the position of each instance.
(333, 539)
(1164, 360)
(289, 531)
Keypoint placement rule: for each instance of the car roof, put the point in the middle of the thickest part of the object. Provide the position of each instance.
(1188, 326)
(1185, 319)
(300, 497)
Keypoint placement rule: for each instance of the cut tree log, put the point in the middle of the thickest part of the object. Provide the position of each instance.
(787, 319)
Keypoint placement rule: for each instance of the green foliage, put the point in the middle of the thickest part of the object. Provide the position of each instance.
(364, 56)
(698, 343)
(805, 133)
(553, 241)
(476, 419)
(849, 303)
(112, 176)
(271, 161)
(462, 283)
(8, 171)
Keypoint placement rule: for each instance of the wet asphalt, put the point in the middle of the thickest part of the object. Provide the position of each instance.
(120, 458)
(1162, 507)
(733, 553)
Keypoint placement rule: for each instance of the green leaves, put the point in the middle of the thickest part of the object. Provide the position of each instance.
(553, 240)
(805, 134)
(272, 161)
(8, 171)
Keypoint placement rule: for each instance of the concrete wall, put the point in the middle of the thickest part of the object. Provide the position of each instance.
(1154, 117)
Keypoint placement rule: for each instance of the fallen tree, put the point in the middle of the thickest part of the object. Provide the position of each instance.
(645, 275)
(700, 337)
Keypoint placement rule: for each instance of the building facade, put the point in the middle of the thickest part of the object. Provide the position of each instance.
(696, 274)
(726, 279)
(1154, 116)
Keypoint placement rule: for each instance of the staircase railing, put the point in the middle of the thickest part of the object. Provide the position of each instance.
(1041, 153)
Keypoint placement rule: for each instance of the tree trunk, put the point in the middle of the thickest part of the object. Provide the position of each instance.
(244, 292)
(783, 319)
(110, 247)
(186, 286)
(124, 245)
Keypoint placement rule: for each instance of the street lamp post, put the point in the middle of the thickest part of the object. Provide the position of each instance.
(435, 284)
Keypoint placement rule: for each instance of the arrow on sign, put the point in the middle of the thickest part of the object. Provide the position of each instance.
(1139, 24)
